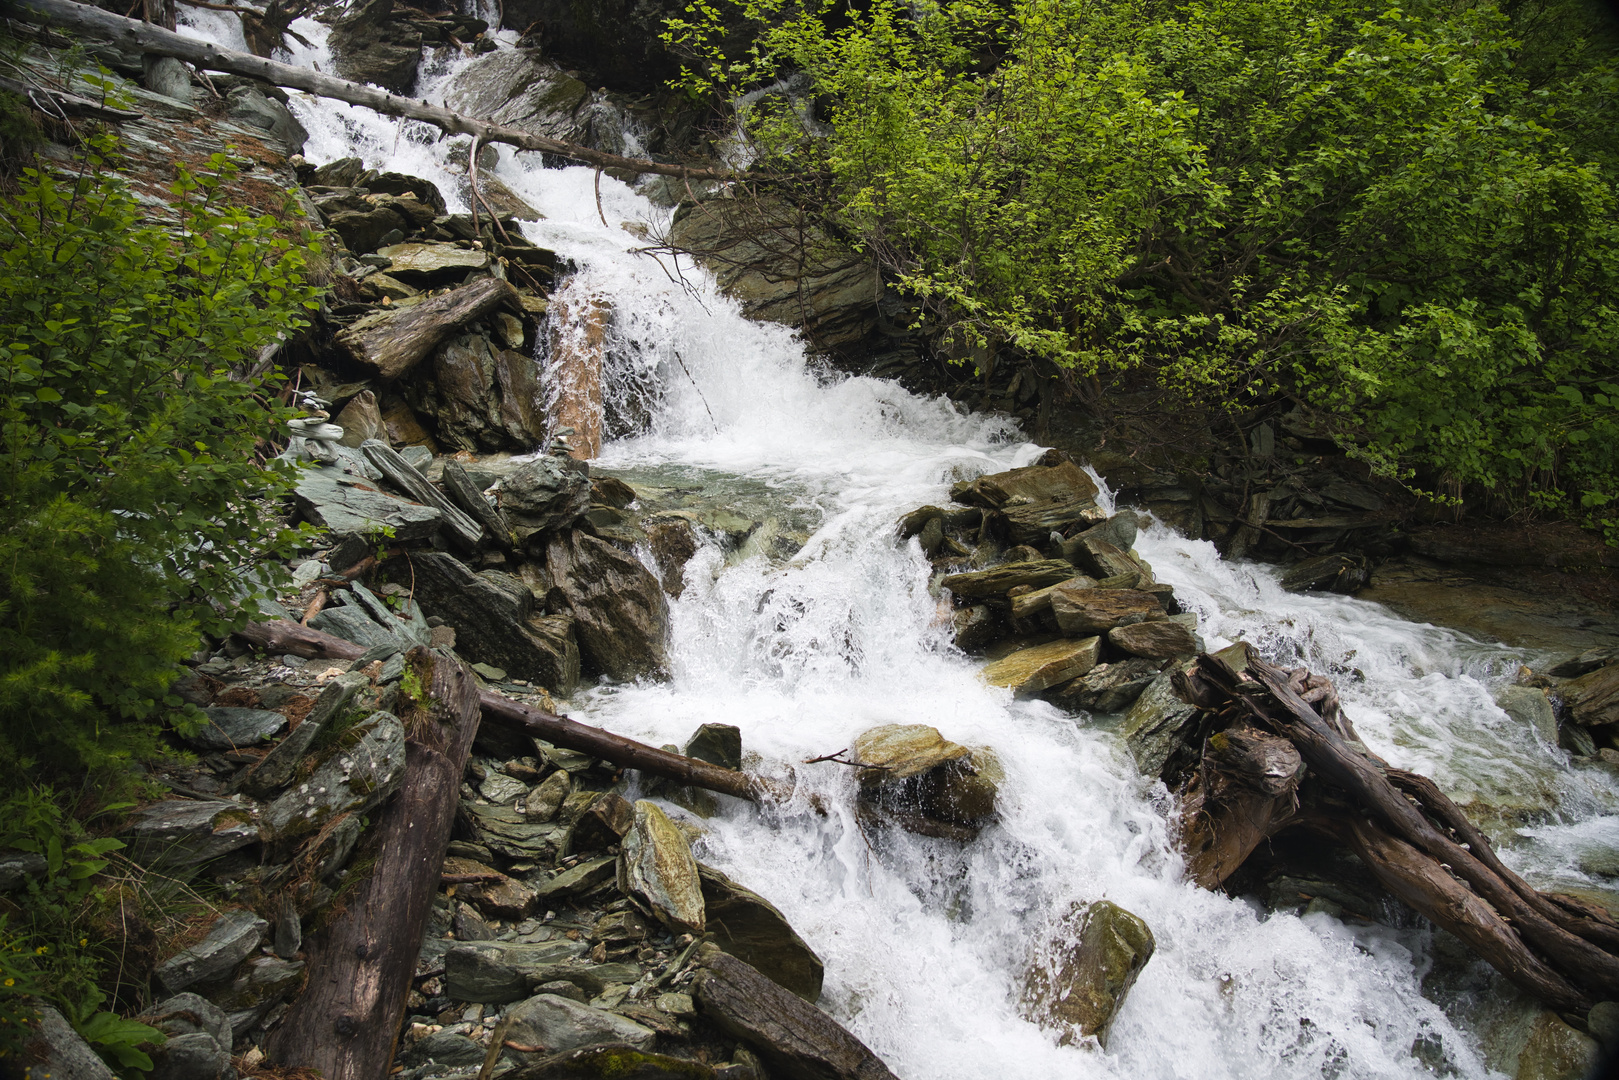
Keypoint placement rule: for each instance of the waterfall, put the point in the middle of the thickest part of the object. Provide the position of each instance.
(805, 644)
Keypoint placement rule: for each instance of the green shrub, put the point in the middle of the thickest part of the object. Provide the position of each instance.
(133, 515)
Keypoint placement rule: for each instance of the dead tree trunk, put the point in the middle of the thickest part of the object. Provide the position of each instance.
(283, 636)
(346, 1021)
(1407, 832)
(94, 22)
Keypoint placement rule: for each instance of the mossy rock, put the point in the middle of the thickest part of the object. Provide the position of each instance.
(612, 1062)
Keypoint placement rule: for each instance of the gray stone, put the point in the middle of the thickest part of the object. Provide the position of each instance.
(345, 503)
(497, 621)
(1161, 640)
(167, 76)
(993, 584)
(371, 44)
(231, 728)
(510, 86)
(426, 265)
(16, 867)
(66, 1055)
(1120, 530)
(446, 1048)
(577, 879)
(545, 800)
(189, 1013)
(753, 930)
(249, 106)
(510, 834)
(1107, 688)
(289, 931)
(1031, 670)
(500, 788)
(496, 972)
(460, 489)
(197, 1056)
(261, 980)
(361, 770)
(1083, 612)
(620, 611)
(717, 744)
(1530, 707)
(657, 866)
(544, 495)
(178, 833)
(276, 768)
(233, 937)
(481, 398)
(351, 622)
(404, 620)
(1090, 965)
(361, 419)
(559, 1024)
(1155, 726)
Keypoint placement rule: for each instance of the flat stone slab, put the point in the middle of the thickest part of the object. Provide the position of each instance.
(497, 972)
(422, 264)
(232, 939)
(345, 503)
(177, 833)
(1029, 671)
(230, 728)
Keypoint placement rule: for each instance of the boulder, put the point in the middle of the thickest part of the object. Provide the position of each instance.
(499, 898)
(750, 928)
(495, 972)
(196, 1056)
(1157, 725)
(361, 419)
(352, 622)
(189, 1014)
(556, 1023)
(394, 340)
(430, 265)
(1107, 688)
(233, 937)
(178, 833)
(1120, 530)
(1529, 706)
(446, 1048)
(673, 541)
(976, 628)
(361, 769)
(496, 620)
(460, 489)
(1555, 1051)
(1036, 501)
(481, 397)
(513, 88)
(621, 614)
(353, 505)
(1027, 672)
(657, 867)
(601, 823)
(248, 105)
(231, 728)
(1339, 573)
(1101, 559)
(1585, 663)
(1161, 640)
(993, 584)
(1593, 698)
(543, 496)
(1082, 612)
(371, 44)
(917, 776)
(1089, 966)
(794, 1038)
(717, 744)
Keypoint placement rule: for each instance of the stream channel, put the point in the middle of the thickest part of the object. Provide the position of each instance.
(822, 625)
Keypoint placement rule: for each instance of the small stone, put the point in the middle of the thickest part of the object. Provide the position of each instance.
(503, 789)
(490, 672)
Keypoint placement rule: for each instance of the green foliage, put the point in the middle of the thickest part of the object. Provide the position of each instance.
(1404, 216)
(132, 513)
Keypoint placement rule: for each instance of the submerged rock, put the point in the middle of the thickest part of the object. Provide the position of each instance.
(657, 866)
(1089, 966)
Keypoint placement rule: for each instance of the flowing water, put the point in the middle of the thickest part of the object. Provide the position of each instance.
(823, 626)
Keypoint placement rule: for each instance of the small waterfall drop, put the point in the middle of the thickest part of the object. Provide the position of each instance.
(805, 644)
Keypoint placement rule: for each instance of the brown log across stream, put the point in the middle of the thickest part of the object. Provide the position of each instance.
(1417, 842)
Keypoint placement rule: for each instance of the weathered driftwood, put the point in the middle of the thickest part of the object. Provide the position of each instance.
(148, 38)
(284, 636)
(1418, 843)
(347, 1019)
(392, 342)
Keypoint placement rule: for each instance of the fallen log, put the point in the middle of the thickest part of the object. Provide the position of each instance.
(1416, 841)
(284, 636)
(147, 38)
(346, 1021)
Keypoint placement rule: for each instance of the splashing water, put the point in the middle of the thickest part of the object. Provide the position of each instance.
(925, 942)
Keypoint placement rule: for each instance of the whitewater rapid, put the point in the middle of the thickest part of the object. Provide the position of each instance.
(925, 941)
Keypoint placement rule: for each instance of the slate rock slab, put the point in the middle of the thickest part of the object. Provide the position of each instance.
(231, 728)
(495, 973)
(658, 867)
(753, 930)
(621, 615)
(349, 504)
(556, 1023)
(178, 833)
(233, 938)
(363, 768)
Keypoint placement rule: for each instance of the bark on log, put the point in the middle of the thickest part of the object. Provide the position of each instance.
(390, 343)
(346, 1022)
(1244, 793)
(146, 38)
(284, 636)
(1405, 829)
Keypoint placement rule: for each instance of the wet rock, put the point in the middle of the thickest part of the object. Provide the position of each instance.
(621, 1061)
(1593, 698)
(618, 928)
(750, 928)
(1100, 559)
(353, 505)
(717, 744)
(657, 866)
(1027, 672)
(61, 1053)
(1089, 967)
(976, 628)
(460, 489)
(353, 622)
(794, 1037)
(1120, 530)
(233, 938)
(559, 1024)
(1555, 1051)
(1161, 640)
(673, 541)
(1584, 663)
(249, 106)
(1083, 612)
(495, 973)
(993, 584)
(431, 265)
(544, 495)
(499, 788)
(1529, 706)
(579, 878)
(497, 621)
(230, 728)
(370, 44)
(363, 768)
(178, 833)
(1107, 688)
(393, 341)
(511, 87)
(275, 770)
(1339, 573)
(481, 398)
(1156, 725)
(1031, 484)
(620, 612)
(545, 800)
(917, 773)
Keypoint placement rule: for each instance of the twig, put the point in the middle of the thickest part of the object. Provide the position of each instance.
(599, 212)
(839, 759)
(700, 396)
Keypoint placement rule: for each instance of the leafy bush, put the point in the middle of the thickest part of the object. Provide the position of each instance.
(132, 512)
(1404, 216)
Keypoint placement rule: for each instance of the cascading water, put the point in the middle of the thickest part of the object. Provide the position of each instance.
(925, 941)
